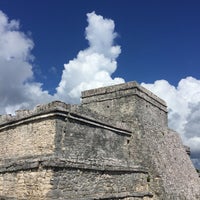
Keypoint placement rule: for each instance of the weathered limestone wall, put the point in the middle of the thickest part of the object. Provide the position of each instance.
(54, 180)
(23, 185)
(152, 144)
(83, 141)
(116, 145)
(172, 174)
(27, 139)
(55, 152)
(86, 184)
(125, 102)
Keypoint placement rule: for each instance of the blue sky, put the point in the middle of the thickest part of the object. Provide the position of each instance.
(159, 39)
(52, 50)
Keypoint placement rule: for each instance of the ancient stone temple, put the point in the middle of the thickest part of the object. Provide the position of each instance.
(115, 145)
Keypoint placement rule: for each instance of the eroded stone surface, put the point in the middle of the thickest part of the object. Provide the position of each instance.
(115, 145)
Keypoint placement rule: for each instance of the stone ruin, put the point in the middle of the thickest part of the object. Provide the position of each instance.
(115, 145)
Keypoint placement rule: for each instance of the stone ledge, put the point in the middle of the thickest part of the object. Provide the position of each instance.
(121, 195)
(105, 197)
(60, 109)
(99, 124)
(56, 162)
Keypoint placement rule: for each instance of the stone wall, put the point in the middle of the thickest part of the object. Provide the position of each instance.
(57, 152)
(55, 180)
(152, 144)
(23, 185)
(131, 100)
(27, 139)
(87, 184)
(115, 145)
(86, 141)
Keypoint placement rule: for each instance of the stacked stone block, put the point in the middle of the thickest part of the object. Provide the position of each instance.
(58, 152)
(153, 145)
(115, 145)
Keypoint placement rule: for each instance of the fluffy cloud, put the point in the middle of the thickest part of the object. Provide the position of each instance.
(17, 90)
(184, 110)
(93, 66)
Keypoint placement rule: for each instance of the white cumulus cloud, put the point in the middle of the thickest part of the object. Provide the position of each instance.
(93, 66)
(184, 110)
(17, 89)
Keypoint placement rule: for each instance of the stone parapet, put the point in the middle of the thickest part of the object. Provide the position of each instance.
(127, 101)
(58, 108)
(123, 90)
(21, 115)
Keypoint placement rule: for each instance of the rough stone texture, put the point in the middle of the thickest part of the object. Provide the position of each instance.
(25, 184)
(87, 184)
(116, 145)
(57, 152)
(126, 102)
(152, 144)
(27, 139)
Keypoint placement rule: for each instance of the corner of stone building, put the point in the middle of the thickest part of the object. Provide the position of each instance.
(152, 144)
